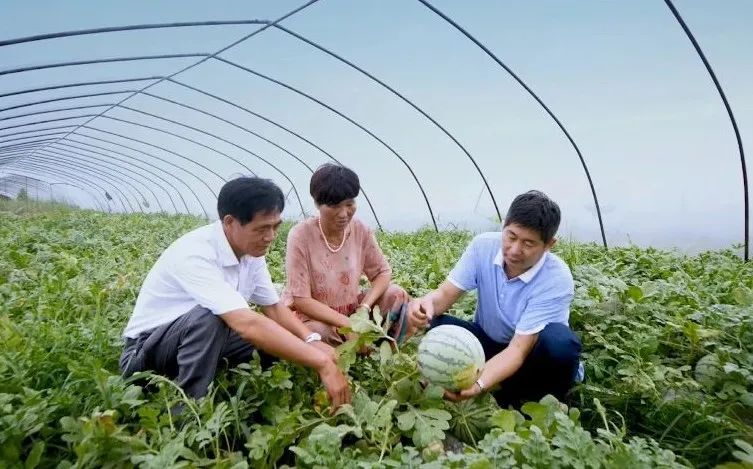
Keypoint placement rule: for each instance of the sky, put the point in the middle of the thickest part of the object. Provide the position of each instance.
(622, 77)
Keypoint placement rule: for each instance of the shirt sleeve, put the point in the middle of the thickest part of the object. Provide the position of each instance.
(200, 277)
(298, 276)
(264, 292)
(551, 305)
(374, 262)
(465, 275)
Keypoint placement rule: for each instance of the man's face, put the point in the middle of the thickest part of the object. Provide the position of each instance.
(255, 237)
(522, 248)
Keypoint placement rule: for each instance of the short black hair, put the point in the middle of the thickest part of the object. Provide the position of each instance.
(333, 183)
(536, 211)
(244, 197)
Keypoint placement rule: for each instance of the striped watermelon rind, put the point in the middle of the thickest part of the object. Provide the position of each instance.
(451, 357)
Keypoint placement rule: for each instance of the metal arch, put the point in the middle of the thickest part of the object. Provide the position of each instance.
(156, 129)
(100, 61)
(124, 173)
(57, 110)
(274, 24)
(86, 83)
(207, 57)
(198, 90)
(49, 155)
(406, 100)
(53, 100)
(97, 202)
(544, 106)
(105, 175)
(255, 134)
(36, 169)
(50, 170)
(300, 202)
(118, 191)
(111, 105)
(138, 151)
(267, 24)
(47, 111)
(279, 126)
(46, 121)
(37, 130)
(22, 138)
(24, 145)
(29, 184)
(118, 92)
(727, 106)
(116, 134)
(117, 172)
(134, 123)
(120, 145)
(61, 143)
(81, 32)
(373, 135)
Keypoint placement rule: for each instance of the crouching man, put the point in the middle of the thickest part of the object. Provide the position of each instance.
(192, 310)
(524, 296)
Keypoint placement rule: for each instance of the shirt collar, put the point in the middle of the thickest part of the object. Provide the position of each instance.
(529, 274)
(227, 256)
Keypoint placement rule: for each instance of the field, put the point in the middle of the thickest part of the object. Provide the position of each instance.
(69, 279)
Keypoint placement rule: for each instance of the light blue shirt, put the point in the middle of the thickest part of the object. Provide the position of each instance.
(521, 305)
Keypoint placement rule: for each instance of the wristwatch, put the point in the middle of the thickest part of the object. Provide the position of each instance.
(313, 337)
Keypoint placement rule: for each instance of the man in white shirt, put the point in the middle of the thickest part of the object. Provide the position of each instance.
(192, 310)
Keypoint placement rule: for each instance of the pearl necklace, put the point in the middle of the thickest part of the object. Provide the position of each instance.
(331, 249)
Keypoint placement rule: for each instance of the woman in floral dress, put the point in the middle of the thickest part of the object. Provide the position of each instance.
(327, 255)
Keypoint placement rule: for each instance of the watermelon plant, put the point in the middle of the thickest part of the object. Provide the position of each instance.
(648, 320)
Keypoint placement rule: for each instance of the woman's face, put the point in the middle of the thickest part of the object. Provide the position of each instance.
(338, 216)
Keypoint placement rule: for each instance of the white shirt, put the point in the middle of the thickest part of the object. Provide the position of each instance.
(200, 268)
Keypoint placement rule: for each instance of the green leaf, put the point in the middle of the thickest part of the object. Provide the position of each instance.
(746, 455)
(35, 455)
(406, 420)
(360, 322)
(383, 417)
(433, 392)
(505, 419)
(747, 399)
(743, 296)
(385, 352)
(376, 313)
(346, 354)
(635, 293)
(539, 413)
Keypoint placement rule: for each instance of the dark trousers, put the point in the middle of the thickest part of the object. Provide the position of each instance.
(550, 368)
(187, 350)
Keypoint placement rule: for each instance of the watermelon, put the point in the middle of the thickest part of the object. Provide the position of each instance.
(451, 357)
(709, 371)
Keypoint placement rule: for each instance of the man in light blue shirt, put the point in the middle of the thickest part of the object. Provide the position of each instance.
(524, 296)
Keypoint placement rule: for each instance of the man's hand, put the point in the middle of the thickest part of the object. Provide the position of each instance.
(472, 391)
(420, 312)
(327, 349)
(336, 385)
